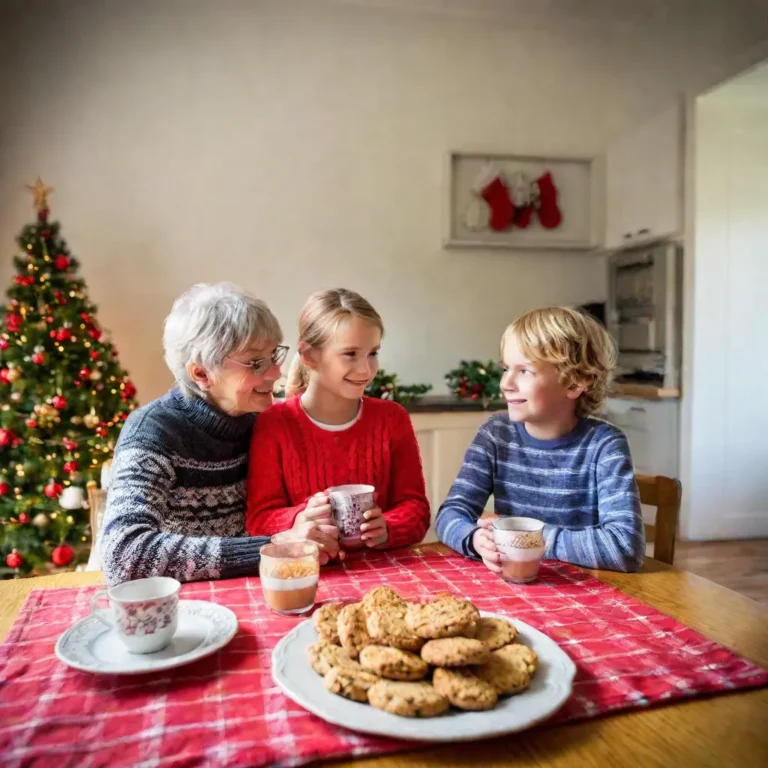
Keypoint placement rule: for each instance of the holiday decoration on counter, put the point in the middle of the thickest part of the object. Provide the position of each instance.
(500, 203)
(385, 386)
(475, 380)
(57, 426)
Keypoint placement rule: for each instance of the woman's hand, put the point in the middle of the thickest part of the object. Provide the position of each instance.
(374, 529)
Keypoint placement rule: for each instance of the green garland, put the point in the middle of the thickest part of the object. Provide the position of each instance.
(475, 380)
(385, 387)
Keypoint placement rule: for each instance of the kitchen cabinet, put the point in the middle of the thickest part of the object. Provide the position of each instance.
(644, 181)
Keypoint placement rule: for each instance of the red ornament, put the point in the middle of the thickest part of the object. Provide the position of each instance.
(23, 518)
(77, 383)
(38, 358)
(70, 467)
(59, 402)
(7, 438)
(25, 280)
(31, 423)
(94, 333)
(4, 376)
(85, 372)
(61, 262)
(46, 233)
(53, 490)
(42, 215)
(4, 344)
(93, 354)
(63, 555)
(129, 391)
(49, 319)
(63, 334)
(85, 317)
(13, 322)
(101, 431)
(4, 489)
(70, 445)
(59, 296)
(14, 560)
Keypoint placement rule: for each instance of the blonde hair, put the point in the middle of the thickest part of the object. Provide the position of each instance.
(318, 321)
(577, 345)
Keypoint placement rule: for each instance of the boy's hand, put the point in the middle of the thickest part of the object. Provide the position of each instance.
(482, 541)
(374, 530)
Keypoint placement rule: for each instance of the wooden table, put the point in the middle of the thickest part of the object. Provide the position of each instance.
(726, 730)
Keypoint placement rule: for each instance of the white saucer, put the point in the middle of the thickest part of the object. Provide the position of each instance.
(92, 647)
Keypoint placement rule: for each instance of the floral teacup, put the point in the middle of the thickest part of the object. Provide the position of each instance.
(144, 613)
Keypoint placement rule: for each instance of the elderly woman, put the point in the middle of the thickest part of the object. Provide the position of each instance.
(176, 503)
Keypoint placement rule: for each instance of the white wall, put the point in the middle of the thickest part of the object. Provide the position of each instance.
(290, 146)
(725, 422)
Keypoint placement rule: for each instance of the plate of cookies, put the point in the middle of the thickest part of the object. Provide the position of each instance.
(436, 670)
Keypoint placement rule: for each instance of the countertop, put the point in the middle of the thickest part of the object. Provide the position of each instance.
(648, 391)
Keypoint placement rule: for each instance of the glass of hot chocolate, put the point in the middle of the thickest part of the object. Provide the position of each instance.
(289, 573)
(520, 541)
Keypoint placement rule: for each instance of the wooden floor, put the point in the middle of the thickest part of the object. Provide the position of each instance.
(739, 565)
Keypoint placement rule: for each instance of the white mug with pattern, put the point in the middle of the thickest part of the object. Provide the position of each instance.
(144, 613)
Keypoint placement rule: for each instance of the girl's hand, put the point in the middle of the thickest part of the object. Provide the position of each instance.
(374, 529)
(482, 541)
(318, 510)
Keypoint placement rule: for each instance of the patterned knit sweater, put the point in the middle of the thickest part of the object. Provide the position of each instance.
(581, 485)
(176, 501)
(292, 459)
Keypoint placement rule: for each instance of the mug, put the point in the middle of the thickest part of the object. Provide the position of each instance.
(144, 613)
(349, 504)
(520, 541)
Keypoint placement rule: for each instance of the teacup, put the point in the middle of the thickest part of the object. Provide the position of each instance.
(520, 541)
(349, 504)
(144, 613)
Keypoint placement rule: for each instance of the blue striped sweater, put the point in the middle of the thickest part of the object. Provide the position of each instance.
(582, 486)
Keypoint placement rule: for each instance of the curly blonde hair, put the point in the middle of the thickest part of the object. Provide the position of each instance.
(580, 348)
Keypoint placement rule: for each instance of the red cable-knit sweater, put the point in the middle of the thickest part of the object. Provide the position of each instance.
(291, 459)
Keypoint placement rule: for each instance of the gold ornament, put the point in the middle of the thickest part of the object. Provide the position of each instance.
(15, 398)
(91, 420)
(70, 520)
(95, 375)
(77, 420)
(40, 193)
(40, 520)
(14, 374)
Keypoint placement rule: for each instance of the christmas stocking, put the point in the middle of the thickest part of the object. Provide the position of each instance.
(549, 214)
(491, 187)
(522, 200)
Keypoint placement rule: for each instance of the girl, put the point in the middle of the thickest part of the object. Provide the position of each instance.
(327, 434)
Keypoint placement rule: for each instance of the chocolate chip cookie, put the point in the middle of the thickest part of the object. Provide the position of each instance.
(323, 656)
(464, 690)
(407, 699)
(349, 682)
(393, 663)
(382, 597)
(495, 632)
(325, 621)
(509, 669)
(352, 630)
(455, 652)
(386, 626)
(444, 617)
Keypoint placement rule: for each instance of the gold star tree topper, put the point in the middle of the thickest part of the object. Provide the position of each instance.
(40, 194)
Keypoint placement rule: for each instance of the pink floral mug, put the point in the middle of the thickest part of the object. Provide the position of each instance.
(144, 613)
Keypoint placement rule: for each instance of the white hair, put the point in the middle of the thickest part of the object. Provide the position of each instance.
(208, 323)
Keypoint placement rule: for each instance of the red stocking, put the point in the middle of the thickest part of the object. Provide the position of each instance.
(523, 216)
(495, 193)
(549, 214)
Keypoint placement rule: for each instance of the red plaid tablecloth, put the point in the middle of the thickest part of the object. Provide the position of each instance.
(226, 710)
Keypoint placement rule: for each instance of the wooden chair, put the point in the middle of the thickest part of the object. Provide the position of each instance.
(664, 493)
(97, 501)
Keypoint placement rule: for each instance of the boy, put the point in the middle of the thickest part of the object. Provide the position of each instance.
(548, 458)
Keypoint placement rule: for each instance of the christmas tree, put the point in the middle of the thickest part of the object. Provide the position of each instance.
(63, 400)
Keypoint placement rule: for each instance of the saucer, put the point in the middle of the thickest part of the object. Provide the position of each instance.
(93, 647)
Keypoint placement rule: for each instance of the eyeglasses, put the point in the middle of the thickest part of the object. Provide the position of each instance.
(263, 364)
